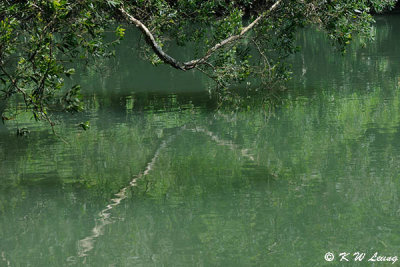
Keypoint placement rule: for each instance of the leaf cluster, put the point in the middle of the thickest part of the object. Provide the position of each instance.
(41, 39)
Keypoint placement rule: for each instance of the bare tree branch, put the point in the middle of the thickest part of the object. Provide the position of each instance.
(193, 63)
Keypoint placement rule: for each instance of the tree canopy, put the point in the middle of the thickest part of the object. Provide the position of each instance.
(41, 39)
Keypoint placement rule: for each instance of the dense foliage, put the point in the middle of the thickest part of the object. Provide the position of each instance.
(40, 39)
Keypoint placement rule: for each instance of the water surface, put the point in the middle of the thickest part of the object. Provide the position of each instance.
(162, 178)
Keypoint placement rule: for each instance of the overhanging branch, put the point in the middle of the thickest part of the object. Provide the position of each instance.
(193, 63)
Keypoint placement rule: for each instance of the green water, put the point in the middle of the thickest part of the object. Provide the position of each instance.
(162, 178)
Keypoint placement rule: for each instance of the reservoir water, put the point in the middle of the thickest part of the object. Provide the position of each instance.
(164, 178)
